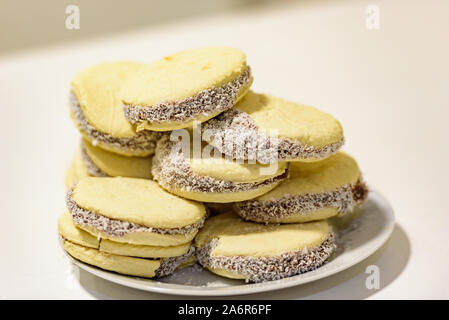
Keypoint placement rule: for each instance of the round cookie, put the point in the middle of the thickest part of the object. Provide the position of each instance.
(210, 179)
(76, 171)
(193, 85)
(136, 260)
(314, 191)
(132, 266)
(102, 163)
(233, 248)
(134, 211)
(269, 129)
(69, 231)
(97, 110)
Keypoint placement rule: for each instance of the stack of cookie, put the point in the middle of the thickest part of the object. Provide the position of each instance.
(282, 232)
(130, 225)
(270, 168)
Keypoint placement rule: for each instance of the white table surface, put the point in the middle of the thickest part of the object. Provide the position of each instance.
(388, 87)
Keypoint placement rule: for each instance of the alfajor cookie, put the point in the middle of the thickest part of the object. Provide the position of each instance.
(135, 260)
(103, 163)
(134, 211)
(233, 248)
(269, 129)
(193, 85)
(314, 191)
(208, 178)
(97, 110)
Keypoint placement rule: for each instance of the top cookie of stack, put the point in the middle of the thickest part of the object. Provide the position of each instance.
(165, 95)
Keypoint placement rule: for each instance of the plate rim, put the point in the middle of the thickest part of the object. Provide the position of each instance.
(244, 288)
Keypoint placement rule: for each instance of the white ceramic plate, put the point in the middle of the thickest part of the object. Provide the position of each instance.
(359, 236)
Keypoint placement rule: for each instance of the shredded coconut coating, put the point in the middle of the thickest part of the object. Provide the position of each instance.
(344, 199)
(143, 142)
(207, 102)
(275, 267)
(90, 165)
(118, 228)
(235, 134)
(169, 265)
(171, 169)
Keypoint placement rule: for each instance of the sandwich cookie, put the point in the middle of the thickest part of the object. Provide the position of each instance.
(209, 178)
(314, 191)
(102, 163)
(98, 114)
(76, 171)
(233, 248)
(134, 211)
(269, 129)
(135, 260)
(193, 85)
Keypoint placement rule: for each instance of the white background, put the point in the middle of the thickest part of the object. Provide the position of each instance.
(389, 88)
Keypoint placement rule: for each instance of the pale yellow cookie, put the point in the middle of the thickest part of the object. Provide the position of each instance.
(100, 162)
(314, 191)
(97, 110)
(132, 250)
(146, 268)
(69, 231)
(135, 211)
(136, 260)
(155, 237)
(193, 85)
(210, 179)
(238, 237)
(260, 123)
(231, 247)
(121, 264)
